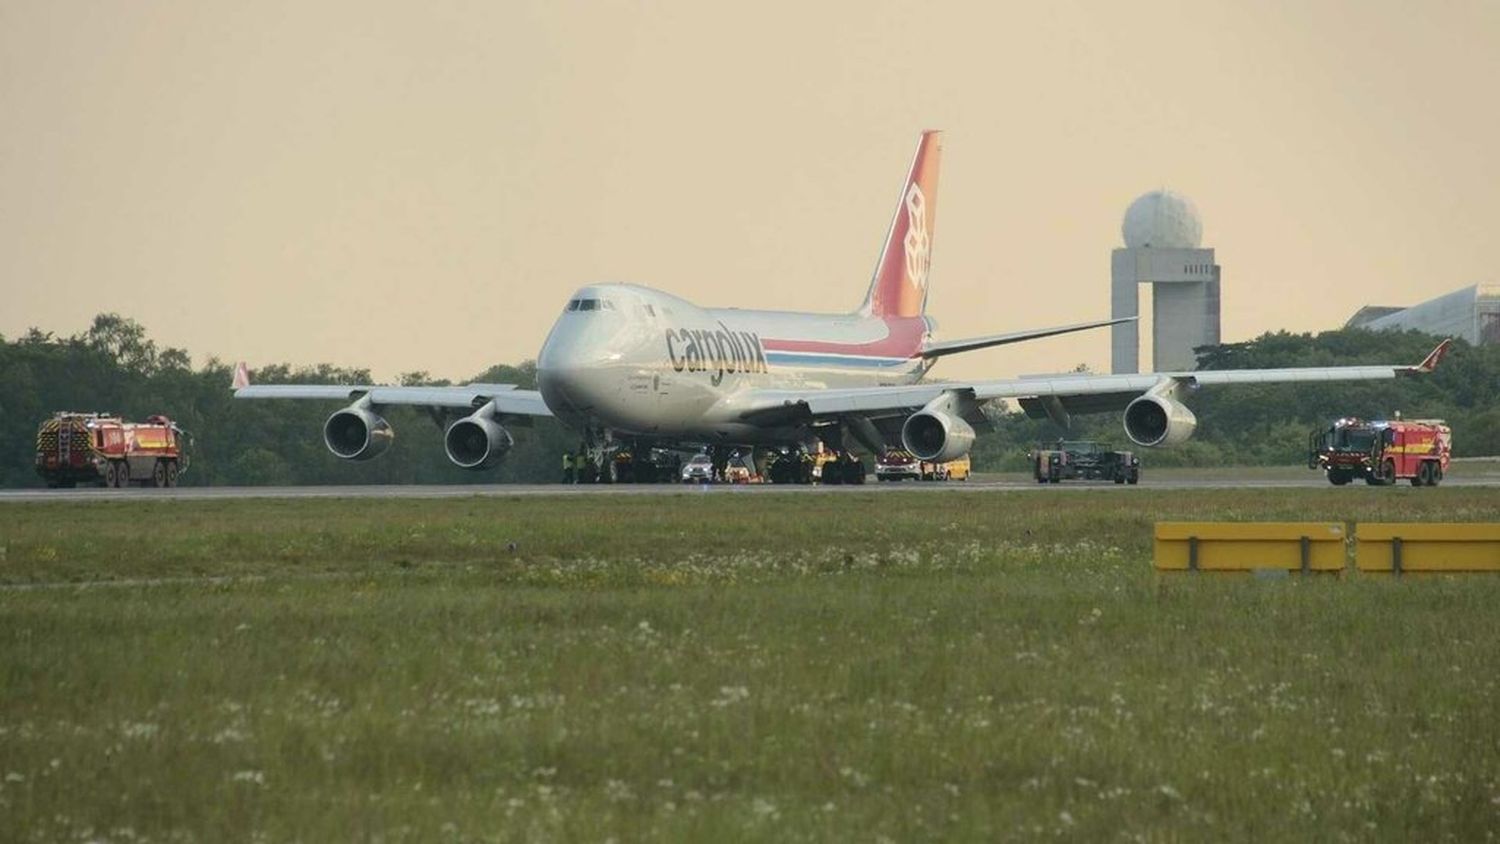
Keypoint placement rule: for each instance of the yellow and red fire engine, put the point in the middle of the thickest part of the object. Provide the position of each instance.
(1416, 450)
(96, 448)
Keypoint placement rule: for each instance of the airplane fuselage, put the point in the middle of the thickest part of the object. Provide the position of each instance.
(642, 363)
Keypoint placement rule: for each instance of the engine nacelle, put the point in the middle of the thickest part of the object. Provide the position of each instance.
(1154, 420)
(356, 433)
(476, 442)
(936, 433)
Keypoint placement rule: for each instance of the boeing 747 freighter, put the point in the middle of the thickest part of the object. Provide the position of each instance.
(626, 365)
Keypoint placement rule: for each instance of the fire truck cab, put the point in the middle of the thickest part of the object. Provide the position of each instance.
(1382, 452)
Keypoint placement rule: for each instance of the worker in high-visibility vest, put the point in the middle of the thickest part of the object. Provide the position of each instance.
(568, 476)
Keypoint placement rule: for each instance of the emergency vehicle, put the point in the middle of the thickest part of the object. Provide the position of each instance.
(1382, 452)
(104, 450)
(898, 464)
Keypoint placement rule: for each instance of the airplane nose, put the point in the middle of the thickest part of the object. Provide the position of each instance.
(563, 370)
(577, 366)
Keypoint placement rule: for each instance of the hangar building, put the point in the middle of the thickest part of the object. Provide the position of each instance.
(1472, 313)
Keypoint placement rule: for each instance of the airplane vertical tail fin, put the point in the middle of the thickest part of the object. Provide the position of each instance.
(899, 287)
(241, 378)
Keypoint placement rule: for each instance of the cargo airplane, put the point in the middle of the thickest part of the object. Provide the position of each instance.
(629, 366)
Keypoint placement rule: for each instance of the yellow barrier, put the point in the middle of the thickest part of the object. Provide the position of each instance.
(1250, 546)
(1396, 547)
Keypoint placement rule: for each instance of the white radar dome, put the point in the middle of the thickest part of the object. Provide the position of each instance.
(1162, 219)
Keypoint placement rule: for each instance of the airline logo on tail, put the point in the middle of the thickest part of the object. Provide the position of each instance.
(916, 242)
(899, 288)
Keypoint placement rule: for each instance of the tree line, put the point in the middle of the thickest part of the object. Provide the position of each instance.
(115, 367)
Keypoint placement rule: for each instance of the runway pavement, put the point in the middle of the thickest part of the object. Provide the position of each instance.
(1267, 479)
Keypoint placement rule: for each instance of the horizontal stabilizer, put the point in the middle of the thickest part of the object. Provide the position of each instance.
(953, 347)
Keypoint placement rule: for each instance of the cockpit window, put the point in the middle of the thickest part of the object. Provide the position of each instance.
(591, 305)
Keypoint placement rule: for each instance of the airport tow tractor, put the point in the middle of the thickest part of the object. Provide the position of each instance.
(1084, 460)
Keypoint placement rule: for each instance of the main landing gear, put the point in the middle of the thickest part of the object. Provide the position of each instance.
(790, 466)
(844, 469)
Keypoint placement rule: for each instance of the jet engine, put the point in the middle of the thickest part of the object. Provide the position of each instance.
(937, 432)
(476, 442)
(357, 433)
(1154, 420)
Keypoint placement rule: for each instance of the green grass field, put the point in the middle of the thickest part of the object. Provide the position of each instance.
(731, 667)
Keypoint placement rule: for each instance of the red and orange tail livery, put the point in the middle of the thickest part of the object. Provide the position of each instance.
(899, 288)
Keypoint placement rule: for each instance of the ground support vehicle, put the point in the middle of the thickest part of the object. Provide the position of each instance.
(1381, 452)
(791, 466)
(104, 450)
(898, 464)
(1084, 460)
(737, 471)
(953, 470)
(823, 465)
(838, 467)
(635, 465)
(698, 470)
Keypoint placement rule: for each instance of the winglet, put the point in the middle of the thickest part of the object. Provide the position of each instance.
(241, 377)
(1435, 356)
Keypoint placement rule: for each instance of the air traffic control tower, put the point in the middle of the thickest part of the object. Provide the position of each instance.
(1162, 235)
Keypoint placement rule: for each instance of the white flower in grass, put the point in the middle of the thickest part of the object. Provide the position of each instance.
(764, 809)
(729, 695)
(139, 729)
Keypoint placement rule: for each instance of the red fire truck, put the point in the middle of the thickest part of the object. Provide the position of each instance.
(1382, 452)
(96, 448)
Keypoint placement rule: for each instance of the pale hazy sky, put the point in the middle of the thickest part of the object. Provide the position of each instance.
(421, 185)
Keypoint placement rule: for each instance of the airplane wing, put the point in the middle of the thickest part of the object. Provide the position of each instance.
(507, 398)
(475, 440)
(1055, 396)
(953, 347)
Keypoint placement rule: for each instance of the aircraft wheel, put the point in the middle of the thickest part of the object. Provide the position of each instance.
(854, 472)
